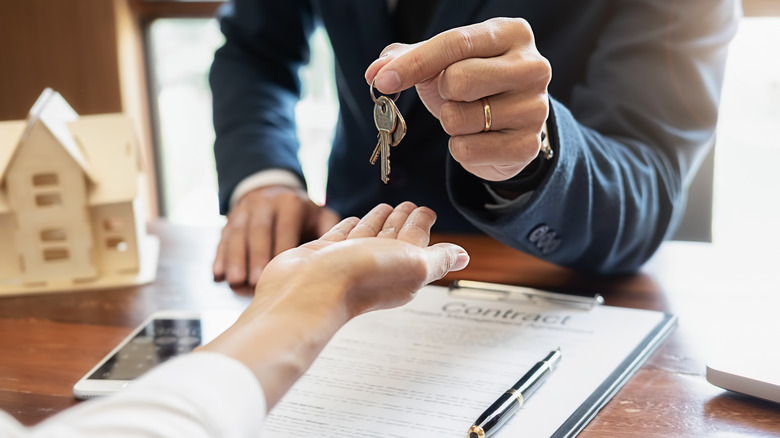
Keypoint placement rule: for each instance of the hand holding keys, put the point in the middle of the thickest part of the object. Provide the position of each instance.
(392, 128)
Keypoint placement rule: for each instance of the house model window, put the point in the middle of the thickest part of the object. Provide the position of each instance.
(45, 179)
(69, 200)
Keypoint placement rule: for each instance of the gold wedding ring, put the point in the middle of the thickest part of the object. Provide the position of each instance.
(488, 115)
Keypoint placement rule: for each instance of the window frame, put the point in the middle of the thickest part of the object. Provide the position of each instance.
(146, 12)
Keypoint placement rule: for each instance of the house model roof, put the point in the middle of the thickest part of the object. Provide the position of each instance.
(104, 147)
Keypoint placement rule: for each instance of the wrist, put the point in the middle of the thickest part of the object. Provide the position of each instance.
(311, 294)
(279, 340)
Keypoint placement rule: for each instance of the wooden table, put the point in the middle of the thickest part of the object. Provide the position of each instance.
(48, 341)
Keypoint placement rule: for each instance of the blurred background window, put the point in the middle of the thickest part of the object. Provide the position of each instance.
(747, 154)
(180, 51)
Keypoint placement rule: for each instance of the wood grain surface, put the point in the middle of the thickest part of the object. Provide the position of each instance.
(47, 342)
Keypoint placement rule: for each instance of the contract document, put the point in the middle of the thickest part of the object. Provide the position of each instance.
(430, 368)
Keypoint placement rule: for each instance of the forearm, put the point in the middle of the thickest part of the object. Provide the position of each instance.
(245, 143)
(255, 87)
(281, 335)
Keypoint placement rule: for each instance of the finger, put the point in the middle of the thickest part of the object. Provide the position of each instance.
(396, 220)
(507, 111)
(288, 223)
(461, 118)
(495, 156)
(371, 224)
(473, 78)
(483, 40)
(235, 247)
(388, 54)
(218, 268)
(417, 228)
(374, 68)
(495, 147)
(341, 230)
(260, 242)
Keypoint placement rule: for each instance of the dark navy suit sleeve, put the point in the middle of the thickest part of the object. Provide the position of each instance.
(628, 140)
(255, 85)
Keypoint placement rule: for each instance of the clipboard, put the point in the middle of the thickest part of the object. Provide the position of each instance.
(431, 367)
(580, 418)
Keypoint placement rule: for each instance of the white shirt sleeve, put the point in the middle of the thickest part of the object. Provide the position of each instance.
(197, 395)
(264, 178)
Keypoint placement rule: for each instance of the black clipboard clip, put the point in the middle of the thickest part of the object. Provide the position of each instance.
(501, 292)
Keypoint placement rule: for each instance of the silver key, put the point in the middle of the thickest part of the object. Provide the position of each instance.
(385, 121)
(377, 150)
(398, 133)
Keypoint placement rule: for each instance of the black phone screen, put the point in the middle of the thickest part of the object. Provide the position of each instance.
(159, 341)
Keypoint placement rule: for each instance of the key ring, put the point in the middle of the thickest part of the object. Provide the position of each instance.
(371, 89)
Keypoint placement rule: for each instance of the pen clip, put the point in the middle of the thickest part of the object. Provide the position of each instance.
(500, 292)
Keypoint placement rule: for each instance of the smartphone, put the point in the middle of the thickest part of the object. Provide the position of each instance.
(164, 335)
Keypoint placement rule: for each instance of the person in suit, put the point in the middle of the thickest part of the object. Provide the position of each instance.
(627, 92)
(226, 387)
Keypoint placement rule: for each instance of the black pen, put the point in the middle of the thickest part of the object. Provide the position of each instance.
(510, 402)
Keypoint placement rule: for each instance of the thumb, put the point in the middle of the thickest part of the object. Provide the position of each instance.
(387, 81)
(442, 258)
(428, 91)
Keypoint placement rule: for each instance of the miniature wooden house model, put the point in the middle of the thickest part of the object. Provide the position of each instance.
(70, 210)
